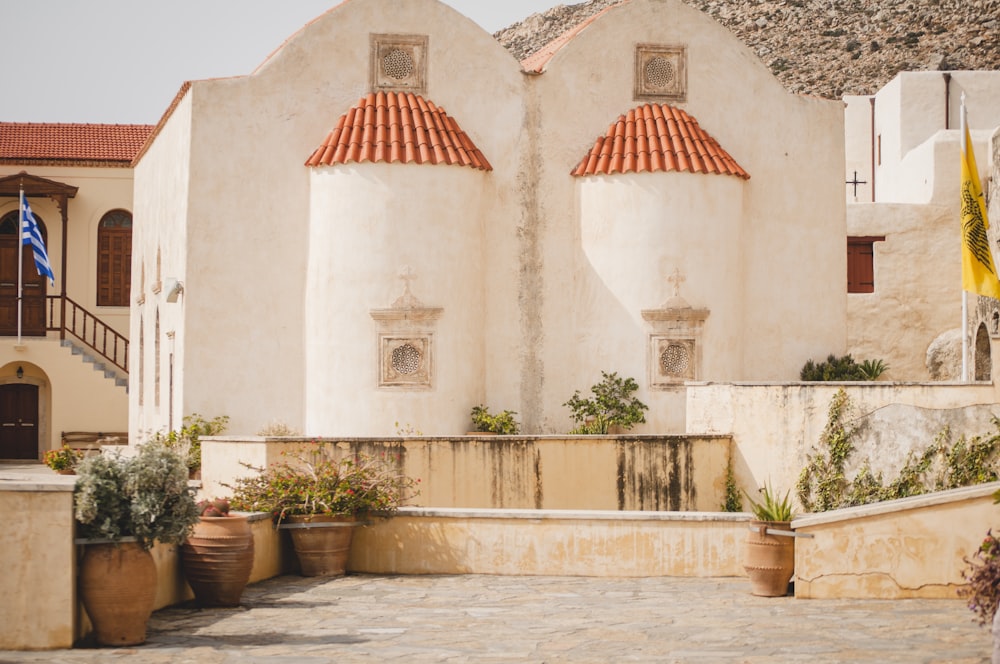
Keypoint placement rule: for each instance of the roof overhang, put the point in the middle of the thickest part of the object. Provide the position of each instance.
(34, 186)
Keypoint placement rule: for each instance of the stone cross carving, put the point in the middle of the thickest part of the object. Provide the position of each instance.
(407, 300)
(676, 279)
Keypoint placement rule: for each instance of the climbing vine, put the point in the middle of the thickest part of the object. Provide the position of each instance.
(823, 483)
(733, 501)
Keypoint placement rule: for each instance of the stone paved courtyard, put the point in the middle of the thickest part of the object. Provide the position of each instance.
(476, 618)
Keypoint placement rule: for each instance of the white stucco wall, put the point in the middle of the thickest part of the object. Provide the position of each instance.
(635, 229)
(159, 251)
(794, 301)
(911, 109)
(368, 223)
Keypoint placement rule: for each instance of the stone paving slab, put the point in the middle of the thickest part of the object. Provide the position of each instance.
(479, 618)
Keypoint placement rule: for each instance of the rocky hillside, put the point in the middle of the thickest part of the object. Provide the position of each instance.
(827, 48)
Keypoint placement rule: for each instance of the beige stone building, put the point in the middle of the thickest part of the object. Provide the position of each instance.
(66, 376)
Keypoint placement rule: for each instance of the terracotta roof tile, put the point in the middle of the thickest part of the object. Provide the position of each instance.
(657, 138)
(69, 144)
(398, 127)
(535, 63)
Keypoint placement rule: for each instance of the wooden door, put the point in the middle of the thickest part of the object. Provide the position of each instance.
(35, 286)
(18, 421)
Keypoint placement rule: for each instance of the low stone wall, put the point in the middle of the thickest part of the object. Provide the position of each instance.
(552, 542)
(776, 426)
(38, 583)
(643, 473)
(898, 549)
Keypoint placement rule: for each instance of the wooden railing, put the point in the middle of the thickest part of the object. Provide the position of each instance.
(64, 315)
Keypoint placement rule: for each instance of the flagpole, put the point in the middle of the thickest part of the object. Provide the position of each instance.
(20, 261)
(965, 293)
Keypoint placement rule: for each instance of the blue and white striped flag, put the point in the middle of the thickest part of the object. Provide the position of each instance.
(31, 234)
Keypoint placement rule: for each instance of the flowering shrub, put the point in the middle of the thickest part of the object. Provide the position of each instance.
(65, 458)
(317, 484)
(983, 575)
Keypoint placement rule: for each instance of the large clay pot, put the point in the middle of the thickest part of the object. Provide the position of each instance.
(322, 543)
(770, 559)
(217, 559)
(118, 589)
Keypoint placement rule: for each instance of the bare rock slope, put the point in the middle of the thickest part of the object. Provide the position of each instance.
(827, 48)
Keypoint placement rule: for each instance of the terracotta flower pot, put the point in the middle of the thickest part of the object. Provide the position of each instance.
(770, 559)
(217, 559)
(118, 589)
(322, 543)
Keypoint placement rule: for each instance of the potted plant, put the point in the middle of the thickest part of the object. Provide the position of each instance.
(217, 556)
(63, 460)
(187, 439)
(502, 423)
(770, 557)
(122, 506)
(613, 405)
(320, 500)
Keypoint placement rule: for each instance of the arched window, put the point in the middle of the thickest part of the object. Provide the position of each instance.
(114, 259)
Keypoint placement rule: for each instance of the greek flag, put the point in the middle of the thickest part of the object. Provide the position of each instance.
(30, 234)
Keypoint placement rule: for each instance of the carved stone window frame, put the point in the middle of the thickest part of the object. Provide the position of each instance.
(677, 329)
(413, 47)
(400, 327)
(651, 57)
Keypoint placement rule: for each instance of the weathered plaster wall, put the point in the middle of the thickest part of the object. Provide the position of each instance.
(776, 426)
(899, 320)
(647, 473)
(899, 549)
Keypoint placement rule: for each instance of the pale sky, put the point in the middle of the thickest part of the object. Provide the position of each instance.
(122, 61)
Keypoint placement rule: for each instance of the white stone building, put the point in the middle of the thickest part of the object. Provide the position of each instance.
(367, 290)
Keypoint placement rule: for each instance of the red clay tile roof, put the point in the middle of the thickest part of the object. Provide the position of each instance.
(71, 144)
(398, 127)
(535, 63)
(657, 138)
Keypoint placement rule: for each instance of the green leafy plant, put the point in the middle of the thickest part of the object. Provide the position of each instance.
(733, 501)
(770, 507)
(842, 368)
(145, 496)
(612, 404)
(64, 458)
(315, 483)
(502, 423)
(872, 369)
(187, 439)
(823, 483)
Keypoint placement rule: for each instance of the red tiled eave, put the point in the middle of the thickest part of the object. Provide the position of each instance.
(654, 138)
(71, 143)
(535, 63)
(397, 127)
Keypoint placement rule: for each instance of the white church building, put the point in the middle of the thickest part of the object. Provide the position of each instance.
(391, 221)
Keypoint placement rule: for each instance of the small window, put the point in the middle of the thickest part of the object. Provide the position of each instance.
(861, 264)
(114, 259)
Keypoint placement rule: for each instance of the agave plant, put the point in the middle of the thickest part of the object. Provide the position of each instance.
(770, 508)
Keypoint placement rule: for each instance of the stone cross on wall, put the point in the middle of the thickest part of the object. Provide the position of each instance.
(407, 299)
(675, 280)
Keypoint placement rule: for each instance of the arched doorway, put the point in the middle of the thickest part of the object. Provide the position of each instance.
(35, 286)
(984, 362)
(18, 421)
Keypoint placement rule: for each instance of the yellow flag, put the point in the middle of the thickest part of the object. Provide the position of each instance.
(979, 274)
